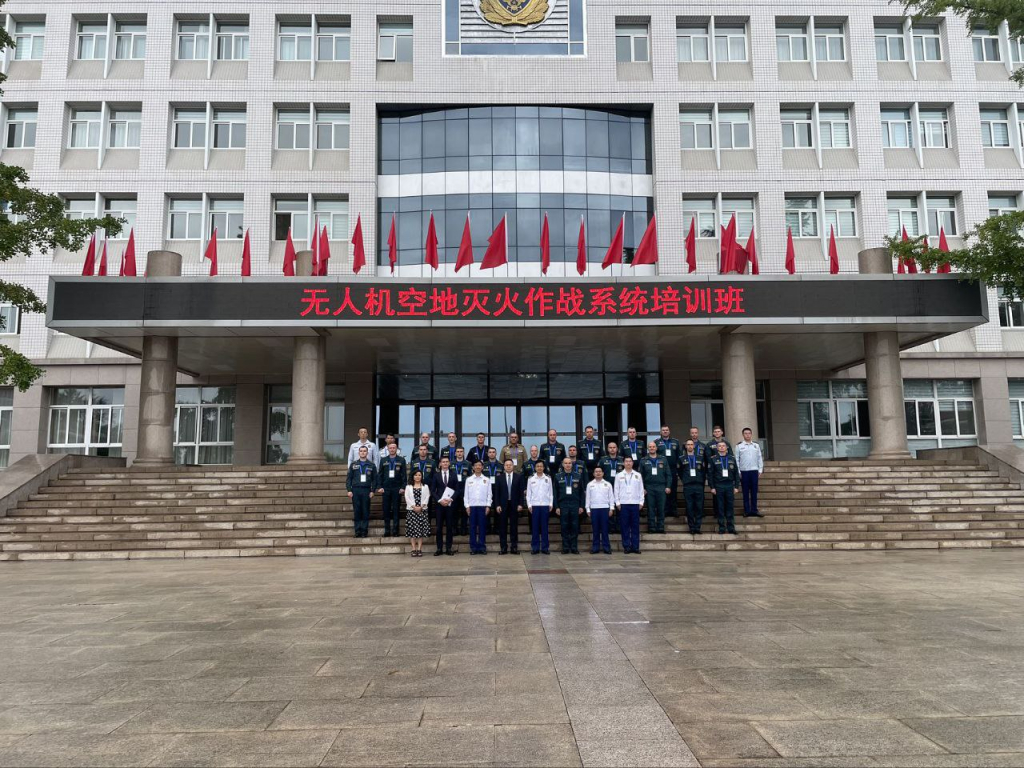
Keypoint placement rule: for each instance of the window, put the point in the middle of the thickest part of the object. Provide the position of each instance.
(86, 421)
(632, 43)
(998, 204)
(279, 424)
(6, 417)
(841, 214)
(229, 129)
(295, 42)
(934, 128)
(334, 42)
(796, 128)
(829, 42)
(937, 409)
(21, 128)
(332, 129)
(293, 129)
(204, 425)
(1016, 410)
(833, 419)
(834, 125)
(791, 43)
(995, 128)
(193, 40)
(703, 213)
(1017, 51)
(730, 42)
(986, 46)
(1011, 311)
(941, 214)
(80, 208)
(743, 210)
(189, 128)
(7, 213)
(9, 316)
(692, 43)
(896, 129)
(395, 42)
(226, 216)
(802, 216)
(734, 128)
(85, 129)
(28, 40)
(293, 215)
(125, 128)
(122, 208)
(903, 214)
(92, 42)
(232, 42)
(129, 41)
(927, 43)
(185, 219)
(695, 127)
(332, 214)
(890, 44)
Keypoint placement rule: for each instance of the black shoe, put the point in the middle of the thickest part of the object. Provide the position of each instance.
(503, 552)
(450, 553)
(534, 551)
(594, 551)
(438, 553)
(565, 551)
(474, 552)
(574, 551)
(607, 551)
(721, 530)
(515, 550)
(757, 514)
(545, 551)
(636, 551)
(733, 532)
(483, 552)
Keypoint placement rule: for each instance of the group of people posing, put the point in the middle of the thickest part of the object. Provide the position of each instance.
(485, 490)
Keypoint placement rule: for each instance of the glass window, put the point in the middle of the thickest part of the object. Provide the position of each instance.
(734, 128)
(193, 40)
(695, 129)
(204, 425)
(125, 128)
(1017, 51)
(332, 129)
(9, 316)
(841, 214)
(833, 418)
(1011, 311)
(332, 214)
(334, 42)
(632, 43)
(293, 215)
(86, 421)
(934, 128)
(834, 125)
(730, 42)
(940, 409)
(998, 204)
(703, 213)
(791, 43)
(927, 43)
(129, 41)
(85, 129)
(890, 44)
(80, 208)
(229, 129)
(986, 46)
(189, 128)
(28, 40)
(295, 42)
(692, 43)
(121, 208)
(92, 42)
(232, 42)
(20, 132)
(995, 128)
(743, 209)
(226, 216)
(802, 216)
(829, 42)
(293, 129)
(796, 128)
(6, 417)
(896, 130)
(903, 214)
(942, 214)
(185, 219)
(395, 42)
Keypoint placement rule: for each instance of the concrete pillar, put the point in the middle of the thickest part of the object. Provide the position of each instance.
(249, 415)
(784, 428)
(309, 378)
(675, 397)
(359, 411)
(739, 386)
(875, 261)
(159, 375)
(992, 405)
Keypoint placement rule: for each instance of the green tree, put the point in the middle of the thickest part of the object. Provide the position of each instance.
(32, 222)
(979, 14)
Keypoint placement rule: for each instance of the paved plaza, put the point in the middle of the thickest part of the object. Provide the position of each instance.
(767, 659)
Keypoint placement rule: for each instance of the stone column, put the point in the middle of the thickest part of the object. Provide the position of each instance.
(739, 387)
(884, 375)
(159, 378)
(309, 372)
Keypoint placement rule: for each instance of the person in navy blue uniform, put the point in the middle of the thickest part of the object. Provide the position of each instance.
(431, 450)
(479, 451)
(462, 470)
(717, 436)
(392, 474)
(444, 480)
(633, 447)
(510, 496)
(724, 479)
(569, 491)
(589, 451)
(612, 465)
(492, 468)
(552, 453)
(450, 449)
(573, 455)
(692, 470)
(360, 482)
(669, 447)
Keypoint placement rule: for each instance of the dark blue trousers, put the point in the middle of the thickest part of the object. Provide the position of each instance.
(725, 498)
(599, 525)
(478, 529)
(389, 502)
(694, 495)
(630, 524)
(748, 481)
(539, 520)
(361, 509)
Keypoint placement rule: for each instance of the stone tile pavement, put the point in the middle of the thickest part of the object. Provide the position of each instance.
(780, 659)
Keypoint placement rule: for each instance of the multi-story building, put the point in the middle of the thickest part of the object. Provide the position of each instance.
(246, 117)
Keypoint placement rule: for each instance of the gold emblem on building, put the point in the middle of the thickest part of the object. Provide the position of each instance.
(514, 13)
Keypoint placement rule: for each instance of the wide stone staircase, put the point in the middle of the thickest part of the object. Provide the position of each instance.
(264, 511)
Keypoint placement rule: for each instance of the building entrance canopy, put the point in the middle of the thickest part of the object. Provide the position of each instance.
(235, 325)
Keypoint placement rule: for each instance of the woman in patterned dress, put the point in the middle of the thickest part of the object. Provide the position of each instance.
(417, 519)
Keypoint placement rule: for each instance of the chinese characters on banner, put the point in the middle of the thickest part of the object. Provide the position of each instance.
(365, 301)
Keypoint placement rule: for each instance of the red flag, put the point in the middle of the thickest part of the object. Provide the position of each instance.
(358, 252)
(647, 250)
(465, 255)
(739, 257)
(944, 268)
(102, 271)
(392, 245)
(790, 252)
(289, 255)
(246, 256)
(901, 268)
(581, 249)
(691, 246)
(614, 253)
(211, 253)
(120, 270)
(727, 261)
(128, 258)
(325, 251)
(751, 250)
(430, 256)
(833, 252)
(497, 247)
(545, 247)
(89, 266)
(924, 247)
(910, 266)
(314, 246)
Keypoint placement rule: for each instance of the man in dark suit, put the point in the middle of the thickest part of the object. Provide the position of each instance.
(444, 520)
(510, 496)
